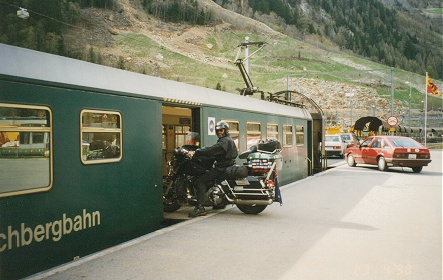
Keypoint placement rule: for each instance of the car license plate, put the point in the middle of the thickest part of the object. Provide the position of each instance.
(412, 156)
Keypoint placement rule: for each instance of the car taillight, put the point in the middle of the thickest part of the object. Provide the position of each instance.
(423, 156)
(400, 155)
(405, 155)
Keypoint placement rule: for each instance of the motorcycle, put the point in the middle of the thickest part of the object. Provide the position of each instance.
(251, 186)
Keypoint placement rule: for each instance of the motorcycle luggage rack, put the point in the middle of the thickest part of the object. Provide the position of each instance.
(258, 195)
(250, 193)
(276, 151)
(241, 191)
(261, 166)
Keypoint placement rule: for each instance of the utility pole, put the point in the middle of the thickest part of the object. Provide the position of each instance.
(425, 107)
(350, 95)
(392, 91)
(247, 56)
(409, 103)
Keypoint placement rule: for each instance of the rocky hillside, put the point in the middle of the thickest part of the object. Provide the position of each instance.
(131, 39)
(127, 37)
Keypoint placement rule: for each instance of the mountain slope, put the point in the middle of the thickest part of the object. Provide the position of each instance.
(396, 33)
(128, 37)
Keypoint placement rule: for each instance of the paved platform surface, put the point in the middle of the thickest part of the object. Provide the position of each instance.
(388, 226)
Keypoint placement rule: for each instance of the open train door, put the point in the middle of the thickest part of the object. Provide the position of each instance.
(319, 159)
(177, 122)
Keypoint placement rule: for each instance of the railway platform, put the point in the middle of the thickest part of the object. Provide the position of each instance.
(217, 246)
(211, 247)
(327, 228)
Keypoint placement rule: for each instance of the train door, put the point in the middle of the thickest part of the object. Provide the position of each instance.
(310, 155)
(177, 122)
(317, 149)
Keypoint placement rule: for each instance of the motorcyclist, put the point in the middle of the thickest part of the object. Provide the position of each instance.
(224, 152)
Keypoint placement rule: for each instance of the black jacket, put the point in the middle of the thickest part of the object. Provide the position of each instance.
(224, 152)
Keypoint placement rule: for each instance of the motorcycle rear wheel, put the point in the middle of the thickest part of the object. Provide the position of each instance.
(251, 209)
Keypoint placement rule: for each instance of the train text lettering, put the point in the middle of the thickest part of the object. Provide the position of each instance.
(55, 230)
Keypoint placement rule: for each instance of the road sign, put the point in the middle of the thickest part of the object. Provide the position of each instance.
(392, 121)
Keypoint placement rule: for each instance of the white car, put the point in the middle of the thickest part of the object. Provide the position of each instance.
(335, 145)
(350, 139)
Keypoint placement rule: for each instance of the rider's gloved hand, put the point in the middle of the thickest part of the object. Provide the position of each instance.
(191, 153)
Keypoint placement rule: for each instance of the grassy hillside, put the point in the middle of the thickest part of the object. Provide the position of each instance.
(269, 67)
(126, 36)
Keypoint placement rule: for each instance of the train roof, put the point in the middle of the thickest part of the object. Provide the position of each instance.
(29, 64)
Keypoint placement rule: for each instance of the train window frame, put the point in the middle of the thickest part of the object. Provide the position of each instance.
(253, 133)
(46, 127)
(234, 131)
(299, 134)
(269, 133)
(180, 134)
(101, 130)
(288, 135)
(164, 136)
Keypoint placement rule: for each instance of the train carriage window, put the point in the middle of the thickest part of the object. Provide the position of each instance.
(300, 135)
(234, 132)
(287, 135)
(25, 149)
(253, 133)
(38, 137)
(180, 134)
(272, 131)
(101, 136)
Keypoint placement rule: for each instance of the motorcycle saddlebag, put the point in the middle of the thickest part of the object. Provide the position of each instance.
(235, 172)
(269, 145)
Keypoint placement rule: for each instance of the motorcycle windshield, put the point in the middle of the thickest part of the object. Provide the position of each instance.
(192, 140)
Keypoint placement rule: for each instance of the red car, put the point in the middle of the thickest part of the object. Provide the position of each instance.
(385, 151)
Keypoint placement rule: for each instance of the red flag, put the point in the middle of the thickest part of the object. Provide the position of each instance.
(431, 87)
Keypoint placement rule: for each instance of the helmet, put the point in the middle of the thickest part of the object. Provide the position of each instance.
(222, 125)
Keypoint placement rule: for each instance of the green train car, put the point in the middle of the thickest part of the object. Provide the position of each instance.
(104, 136)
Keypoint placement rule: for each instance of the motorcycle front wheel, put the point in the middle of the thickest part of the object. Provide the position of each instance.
(221, 205)
(251, 209)
(170, 203)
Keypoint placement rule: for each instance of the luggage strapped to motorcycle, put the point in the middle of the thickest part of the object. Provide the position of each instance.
(269, 146)
(235, 171)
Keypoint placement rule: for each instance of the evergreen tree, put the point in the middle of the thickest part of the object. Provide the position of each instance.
(218, 86)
